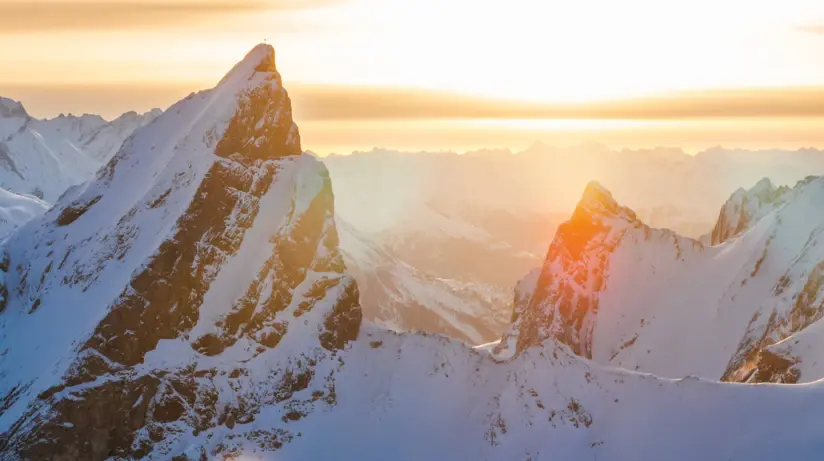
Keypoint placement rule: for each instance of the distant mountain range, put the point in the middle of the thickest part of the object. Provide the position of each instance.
(681, 191)
(192, 300)
(45, 157)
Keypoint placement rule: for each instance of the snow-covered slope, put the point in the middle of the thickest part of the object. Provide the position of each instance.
(207, 242)
(403, 297)
(45, 157)
(746, 207)
(16, 210)
(410, 397)
(646, 299)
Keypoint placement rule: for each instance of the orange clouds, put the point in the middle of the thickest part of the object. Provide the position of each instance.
(73, 15)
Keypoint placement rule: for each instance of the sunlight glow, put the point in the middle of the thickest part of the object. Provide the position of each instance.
(529, 49)
(561, 124)
(584, 50)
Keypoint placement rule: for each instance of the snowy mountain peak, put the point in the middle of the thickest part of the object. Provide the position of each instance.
(595, 193)
(597, 203)
(261, 58)
(135, 117)
(262, 100)
(745, 207)
(764, 186)
(10, 108)
(564, 302)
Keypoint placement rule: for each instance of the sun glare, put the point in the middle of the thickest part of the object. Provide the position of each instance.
(587, 50)
(535, 50)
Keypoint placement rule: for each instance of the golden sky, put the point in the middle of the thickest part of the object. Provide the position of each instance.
(435, 59)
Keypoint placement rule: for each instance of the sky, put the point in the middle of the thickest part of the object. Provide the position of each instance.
(447, 74)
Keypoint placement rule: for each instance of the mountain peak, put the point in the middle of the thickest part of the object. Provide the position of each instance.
(763, 186)
(745, 207)
(595, 188)
(133, 116)
(10, 108)
(564, 297)
(260, 59)
(263, 55)
(596, 199)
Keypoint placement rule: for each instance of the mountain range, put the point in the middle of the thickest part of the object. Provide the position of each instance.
(45, 157)
(192, 301)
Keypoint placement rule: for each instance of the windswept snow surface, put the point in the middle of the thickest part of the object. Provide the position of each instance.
(417, 397)
(16, 210)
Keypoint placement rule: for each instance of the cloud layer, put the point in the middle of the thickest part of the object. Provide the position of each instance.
(364, 103)
(82, 16)
(356, 103)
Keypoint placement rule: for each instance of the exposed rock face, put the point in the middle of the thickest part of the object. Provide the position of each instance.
(203, 277)
(566, 295)
(772, 368)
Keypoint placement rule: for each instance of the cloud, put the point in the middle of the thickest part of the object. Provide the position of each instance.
(814, 29)
(365, 103)
(355, 103)
(72, 15)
